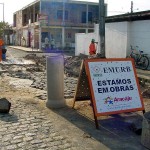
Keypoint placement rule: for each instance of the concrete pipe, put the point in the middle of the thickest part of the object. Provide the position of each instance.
(55, 81)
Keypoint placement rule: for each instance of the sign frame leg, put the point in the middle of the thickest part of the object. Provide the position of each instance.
(144, 111)
(95, 117)
(73, 103)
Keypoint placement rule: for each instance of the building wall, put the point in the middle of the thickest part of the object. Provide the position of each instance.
(118, 38)
(19, 19)
(73, 16)
(72, 21)
(115, 40)
(140, 35)
(54, 22)
(36, 38)
(82, 42)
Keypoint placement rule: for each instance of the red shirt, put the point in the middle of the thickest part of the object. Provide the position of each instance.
(1, 42)
(92, 49)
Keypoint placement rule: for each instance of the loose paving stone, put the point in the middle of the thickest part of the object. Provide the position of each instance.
(11, 147)
(4, 105)
(17, 137)
(22, 144)
(16, 141)
(27, 139)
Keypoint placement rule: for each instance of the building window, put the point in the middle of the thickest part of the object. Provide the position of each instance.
(59, 36)
(83, 17)
(24, 19)
(90, 30)
(60, 14)
(36, 17)
(90, 16)
(68, 36)
(66, 15)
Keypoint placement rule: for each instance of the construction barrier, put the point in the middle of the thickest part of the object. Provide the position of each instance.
(55, 81)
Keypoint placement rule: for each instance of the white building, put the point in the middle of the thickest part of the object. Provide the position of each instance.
(121, 31)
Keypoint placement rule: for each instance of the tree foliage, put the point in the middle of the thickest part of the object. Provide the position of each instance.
(3, 27)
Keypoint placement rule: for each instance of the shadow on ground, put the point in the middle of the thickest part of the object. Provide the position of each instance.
(8, 117)
(114, 130)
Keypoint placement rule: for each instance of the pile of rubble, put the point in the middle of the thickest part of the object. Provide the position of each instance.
(39, 61)
(72, 65)
(146, 93)
(37, 73)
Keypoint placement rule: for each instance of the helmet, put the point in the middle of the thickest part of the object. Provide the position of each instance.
(93, 40)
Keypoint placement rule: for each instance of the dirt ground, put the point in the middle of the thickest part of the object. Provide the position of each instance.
(114, 128)
(72, 68)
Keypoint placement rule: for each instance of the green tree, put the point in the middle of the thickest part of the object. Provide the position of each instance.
(3, 27)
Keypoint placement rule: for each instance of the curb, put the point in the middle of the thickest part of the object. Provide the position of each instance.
(29, 51)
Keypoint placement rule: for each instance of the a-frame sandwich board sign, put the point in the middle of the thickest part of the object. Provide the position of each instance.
(114, 86)
(82, 89)
(83, 92)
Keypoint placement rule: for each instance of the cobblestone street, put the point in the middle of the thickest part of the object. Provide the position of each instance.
(28, 128)
(74, 75)
(30, 125)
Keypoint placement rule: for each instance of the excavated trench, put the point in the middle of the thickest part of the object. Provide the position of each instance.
(32, 69)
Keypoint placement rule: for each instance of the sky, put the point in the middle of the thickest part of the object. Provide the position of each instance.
(114, 7)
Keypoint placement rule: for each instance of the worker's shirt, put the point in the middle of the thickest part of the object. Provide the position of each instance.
(46, 41)
(92, 49)
(1, 42)
(52, 42)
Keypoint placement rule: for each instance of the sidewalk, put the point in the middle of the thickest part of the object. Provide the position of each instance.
(27, 49)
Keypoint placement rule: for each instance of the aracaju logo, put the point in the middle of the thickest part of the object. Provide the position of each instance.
(111, 101)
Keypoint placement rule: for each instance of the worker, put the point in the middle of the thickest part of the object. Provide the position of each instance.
(46, 42)
(4, 50)
(52, 43)
(1, 42)
(1, 46)
(92, 48)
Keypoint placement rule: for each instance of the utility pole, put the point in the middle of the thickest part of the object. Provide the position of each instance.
(3, 11)
(102, 27)
(131, 6)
